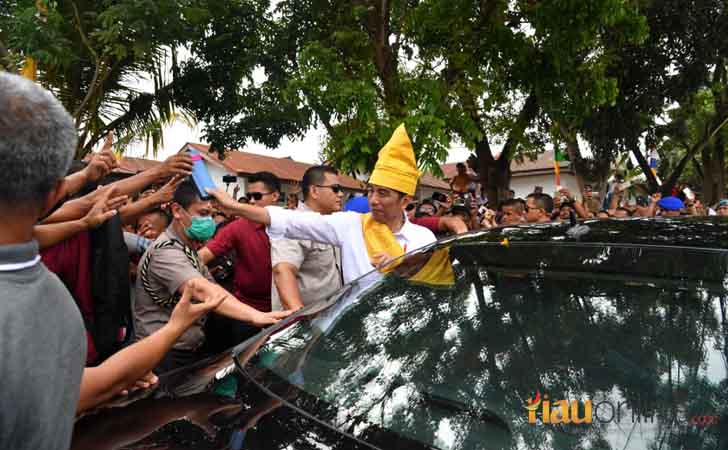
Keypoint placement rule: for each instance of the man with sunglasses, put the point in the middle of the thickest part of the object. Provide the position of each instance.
(249, 241)
(539, 207)
(368, 241)
(303, 270)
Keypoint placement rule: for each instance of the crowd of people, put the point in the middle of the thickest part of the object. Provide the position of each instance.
(475, 212)
(106, 282)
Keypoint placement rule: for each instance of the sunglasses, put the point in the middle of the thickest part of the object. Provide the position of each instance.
(410, 207)
(335, 188)
(257, 195)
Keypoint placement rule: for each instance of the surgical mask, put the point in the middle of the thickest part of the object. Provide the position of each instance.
(201, 229)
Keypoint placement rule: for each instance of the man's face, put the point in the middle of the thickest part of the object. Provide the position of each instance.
(326, 199)
(266, 197)
(427, 209)
(533, 212)
(386, 204)
(620, 213)
(670, 213)
(201, 208)
(722, 210)
(151, 225)
(588, 192)
(511, 216)
(461, 170)
(564, 213)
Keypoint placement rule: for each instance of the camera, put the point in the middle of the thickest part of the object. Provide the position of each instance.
(229, 179)
(439, 197)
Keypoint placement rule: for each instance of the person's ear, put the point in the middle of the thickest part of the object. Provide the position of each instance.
(176, 211)
(405, 200)
(276, 196)
(54, 196)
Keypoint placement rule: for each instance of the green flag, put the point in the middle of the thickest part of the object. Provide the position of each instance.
(560, 155)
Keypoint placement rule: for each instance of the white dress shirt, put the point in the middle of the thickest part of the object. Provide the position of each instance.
(343, 229)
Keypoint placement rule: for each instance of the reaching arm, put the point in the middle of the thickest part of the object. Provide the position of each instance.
(230, 306)
(179, 164)
(652, 209)
(124, 368)
(205, 255)
(452, 224)
(284, 277)
(130, 213)
(289, 223)
(105, 208)
(100, 165)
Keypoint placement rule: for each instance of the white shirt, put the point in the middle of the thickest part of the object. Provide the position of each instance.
(343, 229)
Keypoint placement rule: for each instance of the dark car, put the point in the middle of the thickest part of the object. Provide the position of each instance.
(609, 335)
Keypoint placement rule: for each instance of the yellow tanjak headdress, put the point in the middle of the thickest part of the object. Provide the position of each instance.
(396, 167)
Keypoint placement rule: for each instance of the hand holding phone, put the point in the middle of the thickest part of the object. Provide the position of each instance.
(200, 175)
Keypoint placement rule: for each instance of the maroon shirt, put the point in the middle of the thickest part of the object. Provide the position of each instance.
(253, 273)
(431, 223)
(70, 260)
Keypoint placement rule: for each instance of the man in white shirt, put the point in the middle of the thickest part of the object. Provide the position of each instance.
(368, 241)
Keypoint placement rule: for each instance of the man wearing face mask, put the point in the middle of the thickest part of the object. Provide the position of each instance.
(169, 265)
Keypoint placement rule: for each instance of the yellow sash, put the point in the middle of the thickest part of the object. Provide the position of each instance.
(380, 239)
(437, 271)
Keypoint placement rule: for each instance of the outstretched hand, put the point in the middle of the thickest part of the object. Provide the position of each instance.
(226, 202)
(264, 319)
(104, 208)
(186, 313)
(102, 163)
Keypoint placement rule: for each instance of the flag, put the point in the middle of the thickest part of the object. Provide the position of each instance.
(30, 68)
(559, 155)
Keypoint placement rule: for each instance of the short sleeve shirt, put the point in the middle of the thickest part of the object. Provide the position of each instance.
(319, 267)
(252, 277)
(167, 266)
(431, 223)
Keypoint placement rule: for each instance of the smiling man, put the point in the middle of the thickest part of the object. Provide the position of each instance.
(369, 240)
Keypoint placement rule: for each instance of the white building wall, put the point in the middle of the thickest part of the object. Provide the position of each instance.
(523, 185)
(217, 172)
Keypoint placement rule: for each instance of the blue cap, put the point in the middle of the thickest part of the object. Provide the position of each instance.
(357, 204)
(722, 203)
(671, 204)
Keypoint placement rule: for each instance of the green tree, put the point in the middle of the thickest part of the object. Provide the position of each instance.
(93, 54)
(674, 63)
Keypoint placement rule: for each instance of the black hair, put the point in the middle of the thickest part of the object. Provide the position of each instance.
(460, 210)
(516, 203)
(268, 179)
(159, 212)
(315, 175)
(186, 194)
(543, 201)
(565, 204)
(458, 165)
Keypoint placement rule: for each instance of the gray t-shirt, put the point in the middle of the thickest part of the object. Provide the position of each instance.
(42, 353)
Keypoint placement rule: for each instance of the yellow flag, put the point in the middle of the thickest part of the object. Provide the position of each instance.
(30, 68)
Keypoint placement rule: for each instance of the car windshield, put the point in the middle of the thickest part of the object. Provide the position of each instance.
(570, 347)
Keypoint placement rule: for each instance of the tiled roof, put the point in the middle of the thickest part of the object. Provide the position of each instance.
(131, 166)
(545, 161)
(245, 163)
(135, 165)
(429, 180)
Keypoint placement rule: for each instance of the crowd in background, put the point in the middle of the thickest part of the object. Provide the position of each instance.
(131, 255)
